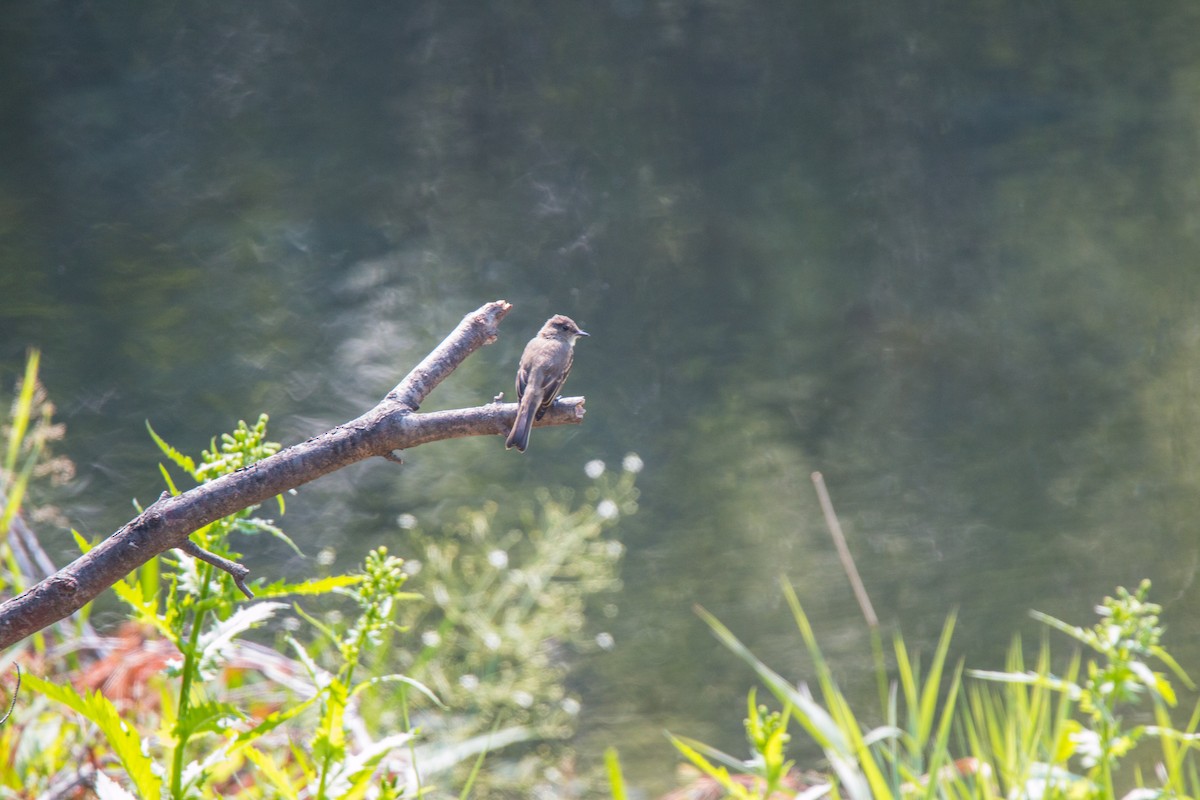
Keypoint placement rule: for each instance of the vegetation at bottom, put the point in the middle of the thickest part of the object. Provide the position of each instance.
(335, 686)
(1101, 728)
(352, 686)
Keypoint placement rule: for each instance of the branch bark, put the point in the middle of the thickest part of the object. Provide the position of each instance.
(390, 426)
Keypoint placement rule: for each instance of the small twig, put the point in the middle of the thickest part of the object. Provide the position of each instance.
(13, 703)
(239, 572)
(839, 539)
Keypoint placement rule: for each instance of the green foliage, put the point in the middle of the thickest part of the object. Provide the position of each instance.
(124, 741)
(507, 593)
(375, 595)
(16, 479)
(1024, 730)
(768, 736)
(202, 739)
(28, 431)
(195, 705)
(1112, 689)
(768, 769)
(1016, 733)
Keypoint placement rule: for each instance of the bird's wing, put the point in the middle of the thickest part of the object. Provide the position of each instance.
(554, 385)
(522, 380)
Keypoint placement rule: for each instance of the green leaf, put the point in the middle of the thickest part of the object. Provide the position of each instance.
(815, 719)
(710, 752)
(16, 493)
(933, 683)
(319, 676)
(1074, 631)
(207, 717)
(1169, 660)
(19, 479)
(473, 774)
(214, 641)
(940, 753)
(83, 544)
(329, 743)
(882, 734)
(1067, 742)
(832, 736)
(438, 758)
(321, 627)
(616, 781)
(185, 463)
(356, 776)
(267, 768)
(144, 610)
(253, 525)
(718, 774)
(404, 679)
(168, 480)
(859, 783)
(270, 723)
(1071, 690)
(316, 587)
(123, 739)
(22, 410)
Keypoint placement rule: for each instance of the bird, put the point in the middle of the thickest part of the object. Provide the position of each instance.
(541, 374)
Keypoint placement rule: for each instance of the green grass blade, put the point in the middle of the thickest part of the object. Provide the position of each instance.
(616, 781)
(816, 720)
(719, 774)
(14, 491)
(402, 679)
(22, 411)
(929, 695)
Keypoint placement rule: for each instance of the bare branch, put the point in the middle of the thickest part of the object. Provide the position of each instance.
(477, 329)
(239, 572)
(389, 427)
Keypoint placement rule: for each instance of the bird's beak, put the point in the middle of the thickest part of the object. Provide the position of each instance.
(582, 333)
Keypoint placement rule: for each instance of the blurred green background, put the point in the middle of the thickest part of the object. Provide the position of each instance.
(948, 253)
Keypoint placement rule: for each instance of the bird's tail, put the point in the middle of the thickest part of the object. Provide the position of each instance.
(518, 437)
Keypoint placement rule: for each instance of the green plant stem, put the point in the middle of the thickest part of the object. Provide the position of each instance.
(345, 676)
(185, 686)
(1106, 757)
(881, 676)
(412, 742)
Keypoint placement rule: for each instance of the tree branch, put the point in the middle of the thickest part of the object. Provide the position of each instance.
(390, 426)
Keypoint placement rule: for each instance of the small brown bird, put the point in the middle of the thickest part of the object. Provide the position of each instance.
(544, 367)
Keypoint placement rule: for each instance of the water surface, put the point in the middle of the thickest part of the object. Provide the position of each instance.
(945, 254)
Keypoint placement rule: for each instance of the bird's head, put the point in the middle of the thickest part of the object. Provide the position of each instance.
(561, 327)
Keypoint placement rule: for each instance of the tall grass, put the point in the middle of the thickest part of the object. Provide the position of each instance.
(946, 732)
